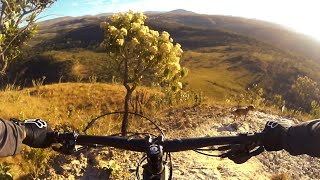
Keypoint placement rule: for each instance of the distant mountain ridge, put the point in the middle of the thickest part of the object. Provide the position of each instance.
(271, 33)
(274, 34)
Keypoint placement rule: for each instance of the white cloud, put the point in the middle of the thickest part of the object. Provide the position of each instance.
(96, 2)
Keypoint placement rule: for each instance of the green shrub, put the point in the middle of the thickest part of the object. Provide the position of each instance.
(315, 109)
(253, 95)
(36, 161)
(303, 91)
(4, 171)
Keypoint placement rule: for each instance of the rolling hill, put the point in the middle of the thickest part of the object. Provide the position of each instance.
(271, 33)
(225, 55)
(274, 34)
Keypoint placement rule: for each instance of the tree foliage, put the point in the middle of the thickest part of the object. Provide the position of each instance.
(17, 25)
(141, 55)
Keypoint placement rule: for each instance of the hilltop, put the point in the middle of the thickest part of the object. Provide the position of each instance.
(180, 11)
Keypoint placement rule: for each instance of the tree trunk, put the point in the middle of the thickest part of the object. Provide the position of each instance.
(124, 125)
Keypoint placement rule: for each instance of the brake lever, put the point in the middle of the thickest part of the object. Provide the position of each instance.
(65, 151)
(67, 141)
(240, 153)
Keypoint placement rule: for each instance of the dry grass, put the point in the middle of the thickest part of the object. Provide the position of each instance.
(61, 103)
(70, 103)
(212, 73)
(282, 176)
(66, 106)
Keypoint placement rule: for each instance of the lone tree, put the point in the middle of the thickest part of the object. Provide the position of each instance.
(17, 25)
(141, 55)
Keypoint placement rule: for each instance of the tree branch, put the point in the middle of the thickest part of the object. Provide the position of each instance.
(7, 14)
(126, 75)
(4, 65)
(3, 7)
(22, 31)
(144, 70)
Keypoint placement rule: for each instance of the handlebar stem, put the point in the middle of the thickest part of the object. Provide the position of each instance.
(155, 166)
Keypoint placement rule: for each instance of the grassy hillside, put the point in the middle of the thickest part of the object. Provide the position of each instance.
(73, 103)
(67, 106)
(222, 61)
(228, 70)
(70, 106)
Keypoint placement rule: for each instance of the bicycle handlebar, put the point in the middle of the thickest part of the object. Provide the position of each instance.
(176, 145)
(169, 145)
(157, 147)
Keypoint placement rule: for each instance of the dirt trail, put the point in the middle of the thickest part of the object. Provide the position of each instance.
(190, 164)
(217, 122)
(196, 122)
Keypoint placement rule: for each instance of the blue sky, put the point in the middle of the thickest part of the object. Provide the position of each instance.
(299, 15)
(85, 7)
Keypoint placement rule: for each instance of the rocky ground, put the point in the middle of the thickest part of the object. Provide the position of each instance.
(193, 122)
